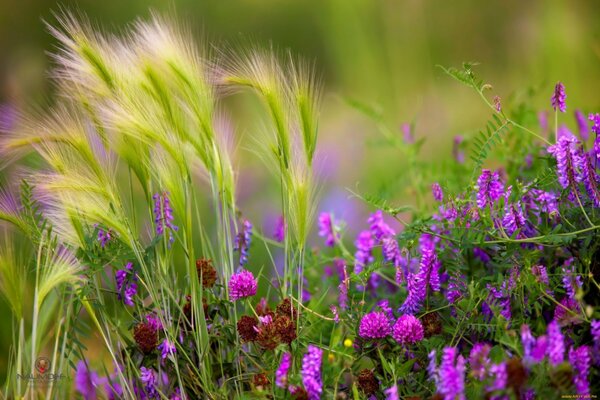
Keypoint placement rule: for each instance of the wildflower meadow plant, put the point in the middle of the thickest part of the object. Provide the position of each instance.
(485, 286)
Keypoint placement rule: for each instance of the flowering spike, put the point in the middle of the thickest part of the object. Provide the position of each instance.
(311, 372)
(489, 188)
(558, 98)
(163, 215)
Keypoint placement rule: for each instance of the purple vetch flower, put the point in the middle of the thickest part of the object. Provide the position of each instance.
(150, 381)
(428, 276)
(176, 395)
(282, 371)
(407, 134)
(343, 291)
(498, 371)
(568, 160)
(408, 330)
(391, 393)
(242, 242)
(438, 194)
(580, 362)
(514, 220)
(379, 228)
(391, 251)
(153, 320)
(374, 325)
(242, 285)
(384, 305)
(328, 229)
(529, 394)
(556, 344)
(104, 236)
(166, 349)
(500, 297)
(125, 284)
(280, 226)
(86, 381)
(311, 372)
(457, 153)
(582, 124)
(497, 104)
(539, 349)
(452, 375)
(541, 275)
(567, 312)
(558, 98)
(163, 215)
(571, 281)
(489, 188)
(481, 254)
(364, 250)
(595, 331)
(432, 371)
(545, 202)
(456, 287)
(479, 360)
(528, 342)
(590, 179)
(595, 118)
(336, 314)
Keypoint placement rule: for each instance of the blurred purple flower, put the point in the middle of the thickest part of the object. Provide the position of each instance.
(328, 229)
(500, 375)
(280, 226)
(567, 160)
(580, 362)
(452, 375)
(556, 344)
(311, 372)
(149, 379)
(407, 134)
(457, 153)
(391, 393)
(479, 360)
(125, 284)
(282, 371)
(166, 348)
(582, 124)
(86, 381)
(438, 194)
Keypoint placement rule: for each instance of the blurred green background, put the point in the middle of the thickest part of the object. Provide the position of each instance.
(381, 52)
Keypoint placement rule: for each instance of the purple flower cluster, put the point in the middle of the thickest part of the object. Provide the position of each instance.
(328, 229)
(374, 325)
(571, 281)
(311, 372)
(450, 376)
(408, 330)
(489, 188)
(280, 227)
(436, 190)
(479, 360)
(498, 371)
(556, 344)
(241, 285)
(582, 125)
(364, 250)
(282, 371)
(150, 381)
(242, 242)
(166, 349)
(104, 236)
(125, 284)
(568, 160)
(163, 215)
(558, 98)
(87, 383)
(580, 361)
(428, 276)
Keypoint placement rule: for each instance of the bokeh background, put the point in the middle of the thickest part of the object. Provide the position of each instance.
(383, 53)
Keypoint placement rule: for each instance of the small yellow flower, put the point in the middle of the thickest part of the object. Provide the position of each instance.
(330, 357)
(348, 342)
